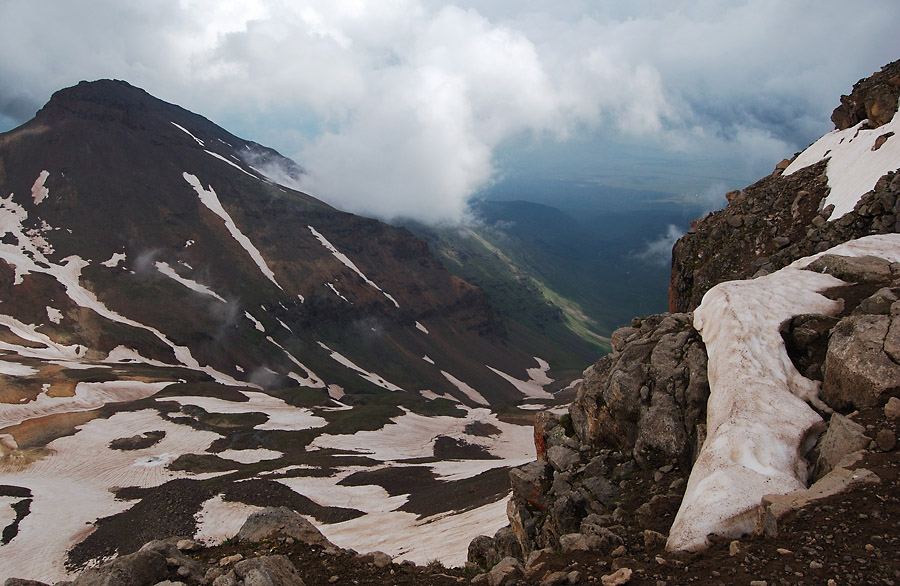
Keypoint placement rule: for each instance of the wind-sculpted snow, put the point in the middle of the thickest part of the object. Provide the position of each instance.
(349, 264)
(856, 164)
(211, 201)
(758, 419)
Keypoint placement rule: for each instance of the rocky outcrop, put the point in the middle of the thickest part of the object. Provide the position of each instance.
(873, 98)
(780, 218)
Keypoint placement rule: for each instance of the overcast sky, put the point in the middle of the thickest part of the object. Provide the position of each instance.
(409, 107)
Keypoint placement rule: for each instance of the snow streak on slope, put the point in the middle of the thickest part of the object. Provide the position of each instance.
(282, 416)
(168, 271)
(467, 390)
(534, 386)
(224, 160)
(855, 166)
(372, 377)
(349, 264)
(211, 201)
(758, 422)
(186, 131)
(310, 380)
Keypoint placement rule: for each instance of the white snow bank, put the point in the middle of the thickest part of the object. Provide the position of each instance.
(38, 191)
(15, 369)
(349, 264)
(250, 456)
(757, 419)
(114, 260)
(168, 271)
(211, 201)
(854, 167)
(224, 160)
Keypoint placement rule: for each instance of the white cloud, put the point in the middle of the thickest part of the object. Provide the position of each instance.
(659, 251)
(397, 107)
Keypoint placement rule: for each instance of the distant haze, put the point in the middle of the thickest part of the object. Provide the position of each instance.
(409, 107)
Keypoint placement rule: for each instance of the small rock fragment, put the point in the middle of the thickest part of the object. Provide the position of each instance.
(892, 408)
(617, 578)
(886, 440)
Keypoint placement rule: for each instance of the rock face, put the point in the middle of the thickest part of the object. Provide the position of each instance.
(779, 218)
(873, 99)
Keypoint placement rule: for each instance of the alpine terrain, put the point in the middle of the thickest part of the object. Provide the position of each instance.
(166, 378)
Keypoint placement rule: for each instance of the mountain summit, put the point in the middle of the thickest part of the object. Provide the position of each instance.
(179, 328)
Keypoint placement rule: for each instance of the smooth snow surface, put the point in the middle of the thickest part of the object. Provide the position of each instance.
(16, 369)
(168, 271)
(38, 191)
(250, 456)
(211, 201)
(758, 419)
(854, 167)
(349, 264)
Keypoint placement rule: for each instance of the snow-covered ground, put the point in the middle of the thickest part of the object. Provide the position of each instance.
(854, 167)
(758, 415)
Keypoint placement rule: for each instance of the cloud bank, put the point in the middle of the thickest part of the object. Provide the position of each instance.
(399, 107)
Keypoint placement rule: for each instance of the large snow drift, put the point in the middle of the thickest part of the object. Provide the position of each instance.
(758, 419)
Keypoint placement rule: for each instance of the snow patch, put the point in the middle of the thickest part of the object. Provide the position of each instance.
(256, 323)
(854, 168)
(758, 421)
(468, 391)
(211, 201)
(427, 359)
(336, 292)
(421, 328)
(168, 271)
(114, 260)
(54, 315)
(310, 380)
(224, 160)
(16, 369)
(282, 416)
(250, 456)
(534, 386)
(349, 264)
(186, 131)
(372, 377)
(219, 520)
(38, 191)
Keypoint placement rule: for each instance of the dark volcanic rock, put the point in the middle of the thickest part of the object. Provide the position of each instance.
(873, 98)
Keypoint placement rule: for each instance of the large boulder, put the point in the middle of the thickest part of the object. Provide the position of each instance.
(275, 570)
(142, 568)
(858, 371)
(283, 522)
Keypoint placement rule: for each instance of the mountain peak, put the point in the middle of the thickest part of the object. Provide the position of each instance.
(873, 98)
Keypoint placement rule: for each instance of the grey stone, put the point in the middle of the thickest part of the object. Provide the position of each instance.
(142, 568)
(858, 372)
(482, 552)
(280, 521)
(886, 440)
(274, 570)
(843, 437)
(507, 571)
(892, 408)
(561, 458)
